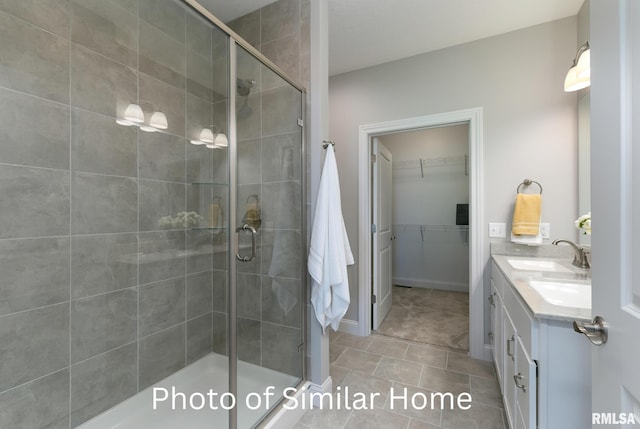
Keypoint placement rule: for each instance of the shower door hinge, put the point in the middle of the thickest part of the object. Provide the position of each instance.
(373, 299)
(374, 228)
(373, 158)
(300, 122)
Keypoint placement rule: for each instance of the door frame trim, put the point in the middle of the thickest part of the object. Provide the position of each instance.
(473, 117)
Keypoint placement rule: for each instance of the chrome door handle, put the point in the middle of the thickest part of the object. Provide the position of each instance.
(516, 379)
(596, 331)
(246, 227)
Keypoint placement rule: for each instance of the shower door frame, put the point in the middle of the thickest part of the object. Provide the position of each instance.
(234, 41)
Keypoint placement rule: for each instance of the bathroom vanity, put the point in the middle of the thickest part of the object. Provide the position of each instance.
(543, 365)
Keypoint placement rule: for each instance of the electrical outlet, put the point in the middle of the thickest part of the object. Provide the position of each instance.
(545, 230)
(497, 230)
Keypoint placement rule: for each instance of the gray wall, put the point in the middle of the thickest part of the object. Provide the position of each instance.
(529, 122)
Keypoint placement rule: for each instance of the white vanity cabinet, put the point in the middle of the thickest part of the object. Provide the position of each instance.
(543, 366)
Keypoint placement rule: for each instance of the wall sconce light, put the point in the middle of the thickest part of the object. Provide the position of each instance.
(579, 75)
(134, 115)
(159, 121)
(212, 139)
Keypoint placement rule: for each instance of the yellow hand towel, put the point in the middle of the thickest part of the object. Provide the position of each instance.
(526, 214)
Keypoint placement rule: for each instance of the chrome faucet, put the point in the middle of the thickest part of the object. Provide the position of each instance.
(581, 255)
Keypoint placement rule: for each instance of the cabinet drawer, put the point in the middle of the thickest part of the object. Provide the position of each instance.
(498, 279)
(526, 382)
(525, 324)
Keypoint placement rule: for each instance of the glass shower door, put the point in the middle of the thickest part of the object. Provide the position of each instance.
(269, 216)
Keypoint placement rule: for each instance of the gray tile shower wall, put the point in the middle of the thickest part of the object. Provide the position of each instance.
(98, 300)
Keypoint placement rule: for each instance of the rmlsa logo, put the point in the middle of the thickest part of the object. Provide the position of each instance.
(614, 419)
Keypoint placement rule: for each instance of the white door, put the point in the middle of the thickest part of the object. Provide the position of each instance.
(382, 237)
(615, 197)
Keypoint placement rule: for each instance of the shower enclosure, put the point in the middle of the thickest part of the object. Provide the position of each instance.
(152, 232)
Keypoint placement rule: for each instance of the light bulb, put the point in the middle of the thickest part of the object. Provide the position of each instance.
(159, 120)
(573, 82)
(133, 113)
(221, 140)
(206, 135)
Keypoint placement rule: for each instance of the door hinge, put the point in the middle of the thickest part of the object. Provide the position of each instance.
(373, 158)
(373, 299)
(374, 228)
(300, 122)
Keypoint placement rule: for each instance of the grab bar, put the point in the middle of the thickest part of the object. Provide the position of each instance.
(246, 227)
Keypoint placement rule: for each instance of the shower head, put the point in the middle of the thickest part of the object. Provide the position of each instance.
(243, 86)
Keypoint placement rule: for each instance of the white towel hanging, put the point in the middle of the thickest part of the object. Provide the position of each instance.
(329, 253)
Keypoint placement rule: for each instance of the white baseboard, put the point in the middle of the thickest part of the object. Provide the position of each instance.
(431, 284)
(350, 327)
(287, 418)
(326, 387)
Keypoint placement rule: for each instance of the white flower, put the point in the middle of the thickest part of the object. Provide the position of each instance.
(583, 223)
(182, 220)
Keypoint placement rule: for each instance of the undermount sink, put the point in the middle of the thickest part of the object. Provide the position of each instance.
(565, 294)
(537, 265)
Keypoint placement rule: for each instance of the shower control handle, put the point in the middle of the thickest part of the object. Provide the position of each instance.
(246, 227)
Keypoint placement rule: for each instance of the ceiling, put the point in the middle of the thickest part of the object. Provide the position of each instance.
(364, 33)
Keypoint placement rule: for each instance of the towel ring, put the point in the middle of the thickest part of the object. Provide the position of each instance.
(528, 182)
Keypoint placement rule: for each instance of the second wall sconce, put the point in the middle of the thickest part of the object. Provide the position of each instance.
(134, 115)
(213, 139)
(579, 75)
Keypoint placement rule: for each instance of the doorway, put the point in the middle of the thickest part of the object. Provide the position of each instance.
(420, 211)
(473, 118)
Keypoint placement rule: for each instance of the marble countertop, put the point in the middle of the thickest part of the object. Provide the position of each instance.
(519, 280)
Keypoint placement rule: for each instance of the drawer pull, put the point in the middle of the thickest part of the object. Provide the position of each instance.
(492, 299)
(517, 379)
(509, 342)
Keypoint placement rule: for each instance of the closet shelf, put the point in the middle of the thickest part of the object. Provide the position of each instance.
(425, 163)
(409, 227)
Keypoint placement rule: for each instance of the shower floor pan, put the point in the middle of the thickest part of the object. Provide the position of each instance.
(210, 372)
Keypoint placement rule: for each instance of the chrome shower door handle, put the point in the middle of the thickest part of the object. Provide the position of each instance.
(246, 227)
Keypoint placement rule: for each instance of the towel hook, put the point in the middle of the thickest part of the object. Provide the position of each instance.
(326, 144)
(528, 182)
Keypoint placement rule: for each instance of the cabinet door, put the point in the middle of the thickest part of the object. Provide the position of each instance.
(497, 332)
(510, 359)
(525, 381)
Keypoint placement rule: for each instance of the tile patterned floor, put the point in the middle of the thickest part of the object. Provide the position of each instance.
(378, 363)
(429, 316)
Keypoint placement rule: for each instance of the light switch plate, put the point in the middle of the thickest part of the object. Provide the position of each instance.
(545, 230)
(497, 230)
